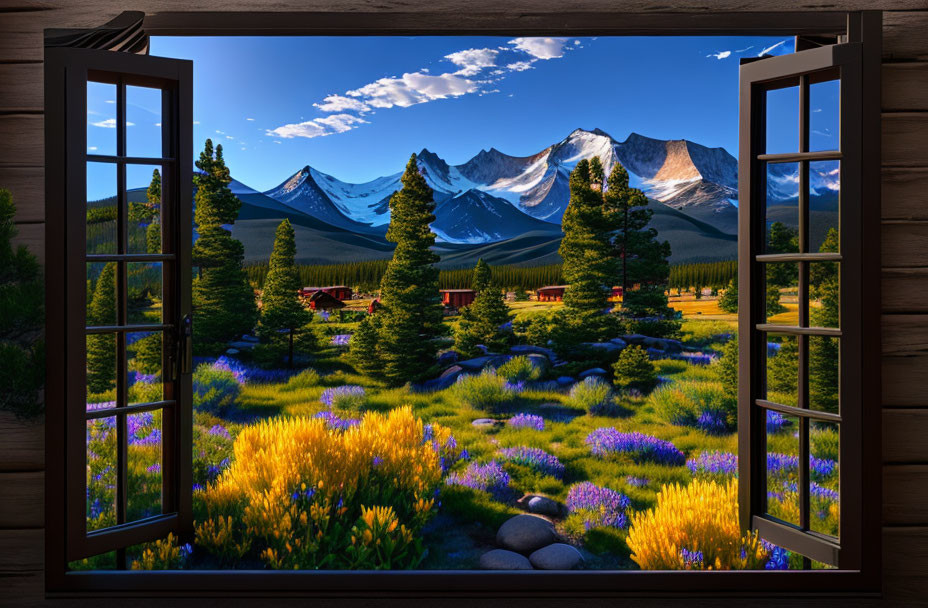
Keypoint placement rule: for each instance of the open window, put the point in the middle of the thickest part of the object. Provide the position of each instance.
(119, 212)
(806, 369)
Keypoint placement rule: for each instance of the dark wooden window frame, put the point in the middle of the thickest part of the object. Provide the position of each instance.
(864, 27)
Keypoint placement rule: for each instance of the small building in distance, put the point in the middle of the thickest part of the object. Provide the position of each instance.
(339, 292)
(615, 294)
(374, 306)
(322, 300)
(551, 293)
(457, 298)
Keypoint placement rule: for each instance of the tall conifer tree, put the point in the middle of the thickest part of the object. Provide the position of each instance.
(224, 303)
(481, 321)
(101, 348)
(824, 350)
(153, 232)
(280, 303)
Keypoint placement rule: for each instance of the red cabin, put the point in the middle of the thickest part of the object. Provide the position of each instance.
(616, 294)
(551, 293)
(456, 298)
(339, 292)
(321, 300)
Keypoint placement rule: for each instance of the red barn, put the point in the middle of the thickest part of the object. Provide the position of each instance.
(551, 293)
(339, 292)
(456, 298)
(321, 300)
(616, 294)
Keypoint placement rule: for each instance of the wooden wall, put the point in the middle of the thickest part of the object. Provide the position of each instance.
(904, 258)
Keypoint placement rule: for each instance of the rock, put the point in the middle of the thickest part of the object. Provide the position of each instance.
(565, 380)
(525, 533)
(232, 351)
(448, 357)
(609, 347)
(500, 559)
(619, 342)
(484, 422)
(477, 363)
(252, 339)
(528, 349)
(666, 345)
(454, 370)
(634, 338)
(558, 556)
(596, 371)
(539, 362)
(242, 345)
(543, 506)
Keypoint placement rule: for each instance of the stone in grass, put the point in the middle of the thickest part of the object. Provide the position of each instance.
(501, 559)
(558, 556)
(596, 371)
(484, 422)
(543, 506)
(565, 380)
(525, 533)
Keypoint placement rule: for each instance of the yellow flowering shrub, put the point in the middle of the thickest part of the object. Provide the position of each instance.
(163, 554)
(694, 527)
(300, 495)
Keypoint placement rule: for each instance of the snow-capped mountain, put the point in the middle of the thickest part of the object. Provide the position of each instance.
(474, 216)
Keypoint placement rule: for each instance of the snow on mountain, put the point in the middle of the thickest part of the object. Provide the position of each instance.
(475, 216)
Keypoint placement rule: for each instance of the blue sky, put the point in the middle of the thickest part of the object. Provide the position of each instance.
(357, 107)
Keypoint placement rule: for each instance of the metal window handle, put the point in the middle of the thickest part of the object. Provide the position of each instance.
(185, 346)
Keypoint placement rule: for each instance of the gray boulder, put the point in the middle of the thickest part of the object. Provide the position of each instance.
(525, 533)
(596, 371)
(529, 349)
(619, 341)
(452, 372)
(484, 423)
(609, 347)
(565, 380)
(539, 362)
(500, 559)
(558, 556)
(543, 506)
(634, 338)
(477, 363)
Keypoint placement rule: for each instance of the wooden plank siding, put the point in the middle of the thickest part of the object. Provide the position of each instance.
(904, 260)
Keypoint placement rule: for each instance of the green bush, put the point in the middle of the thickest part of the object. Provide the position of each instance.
(634, 370)
(519, 369)
(486, 391)
(214, 390)
(592, 395)
(726, 368)
(308, 378)
(825, 442)
(684, 402)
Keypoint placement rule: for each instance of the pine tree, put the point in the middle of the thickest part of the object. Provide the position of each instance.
(783, 372)
(480, 322)
(729, 300)
(824, 351)
(362, 349)
(151, 209)
(21, 320)
(148, 354)
(411, 317)
(281, 308)
(589, 264)
(645, 269)
(224, 303)
(634, 370)
(727, 369)
(782, 239)
(101, 348)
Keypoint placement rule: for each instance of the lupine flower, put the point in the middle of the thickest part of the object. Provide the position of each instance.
(777, 557)
(155, 468)
(333, 421)
(785, 464)
(713, 463)
(823, 493)
(606, 441)
(515, 387)
(527, 421)
(346, 396)
(536, 459)
(712, 422)
(217, 430)
(251, 375)
(341, 339)
(489, 477)
(692, 559)
(146, 378)
(598, 506)
(324, 315)
(773, 348)
(776, 422)
(102, 405)
(637, 482)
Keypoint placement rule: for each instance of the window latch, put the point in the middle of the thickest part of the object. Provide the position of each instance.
(184, 346)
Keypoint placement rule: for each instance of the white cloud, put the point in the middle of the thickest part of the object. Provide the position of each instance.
(720, 55)
(220, 132)
(412, 88)
(747, 48)
(110, 101)
(250, 119)
(110, 123)
(576, 43)
(340, 103)
(521, 66)
(157, 124)
(320, 127)
(196, 122)
(770, 48)
(229, 137)
(92, 148)
(471, 61)
(541, 48)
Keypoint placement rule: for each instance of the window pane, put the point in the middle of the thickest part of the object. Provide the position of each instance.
(823, 466)
(824, 294)
(824, 187)
(824, 114)
(101, 473)
(783, 120)
(101, 293)
(143, 122)
(144, 292)
(783, 467)
(824, 366)
(782, 208)
(101, 118)
(783, 369)
(143, 191)
(101, 371)
(144, 465)
(781, 300)
(144, 352)
(101, 208)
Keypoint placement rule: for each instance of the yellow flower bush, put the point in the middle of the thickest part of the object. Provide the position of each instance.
(694, 527)
(301, 495)
(163, 554)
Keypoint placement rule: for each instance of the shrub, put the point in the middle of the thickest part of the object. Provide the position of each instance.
(163, 554)
(212, 450)
(592, 395)
(596, 507)
(519, 369)
(634, 370)
(694, 527)
(298, 495)
(488, 477)
(346, 397)
(308, 378)
(824, 442)
(485, 391)
(726, 368)
(607, 441)
(527, 421)
(214, 390)
(536, 459)
(697, 404)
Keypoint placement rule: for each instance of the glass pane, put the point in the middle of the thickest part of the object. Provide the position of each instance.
(143, 192)
(783, 470)
(101, 293)
(143, 122)
(823, 467)
(101, 118)
(824, 188)
(101, 208)
(783, 120)
(783, 369)
(144, 356)
(144, 292)
(824, 115)
(824, 366)
(781, 303)
(144, 465)
(782, 208)
(824, 294)
(101, 371)
(101, 473)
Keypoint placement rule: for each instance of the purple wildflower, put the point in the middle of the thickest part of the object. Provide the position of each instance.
(535, 458)
(823, 493)
(692, 559)
(217, 430)
(488, 477)
(598, 506)
(777, 557)
(637, 482)
(343, 396)
(776, 422)
(606, 441)
(514, 387)
(337, 423)
(714, 463)
(712, 422)
(341, 339)
(527, 421)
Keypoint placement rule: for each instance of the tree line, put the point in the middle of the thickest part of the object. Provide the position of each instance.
(707, 274)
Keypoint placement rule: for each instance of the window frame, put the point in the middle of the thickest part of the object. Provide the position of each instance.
(863, 27)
